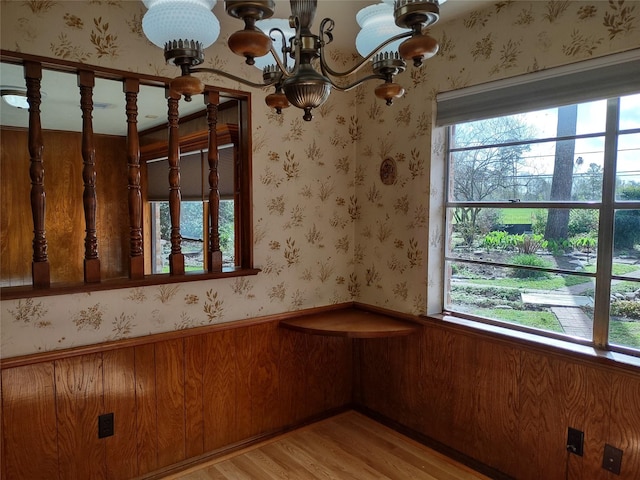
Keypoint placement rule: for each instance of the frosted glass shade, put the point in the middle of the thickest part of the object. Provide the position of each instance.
(377, 24)
(18, 101)
(168, 20)
(265, 26)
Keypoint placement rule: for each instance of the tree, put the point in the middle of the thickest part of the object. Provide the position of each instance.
(588, 186)
(562, 181)
(490, 172)
(627, 222)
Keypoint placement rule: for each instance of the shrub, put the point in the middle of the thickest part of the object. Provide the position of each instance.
(539, 221)
(529, 244)
(584, 243)
(583, 222)
(626, 308)
(626, 229)
(496, 240)
(558, 247)
(627, 222)
(529, 260)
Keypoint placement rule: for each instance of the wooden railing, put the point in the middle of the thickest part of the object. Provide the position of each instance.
(40, 268)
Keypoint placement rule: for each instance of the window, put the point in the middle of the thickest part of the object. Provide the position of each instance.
(543, 216)
(194, 207)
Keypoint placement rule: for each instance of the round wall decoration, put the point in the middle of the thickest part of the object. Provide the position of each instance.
(388, 171)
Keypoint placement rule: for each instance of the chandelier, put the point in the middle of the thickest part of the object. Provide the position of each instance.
(184, 28)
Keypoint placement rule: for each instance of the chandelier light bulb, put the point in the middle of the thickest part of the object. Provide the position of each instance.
(180, 20)
(377, 25)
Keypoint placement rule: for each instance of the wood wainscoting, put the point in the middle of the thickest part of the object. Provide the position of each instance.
(174, 397)
(503, 403)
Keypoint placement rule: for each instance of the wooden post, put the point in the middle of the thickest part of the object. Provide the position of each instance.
(136, 250)
(86, 82)
(214, 257)
(40, 269)
(176, 257)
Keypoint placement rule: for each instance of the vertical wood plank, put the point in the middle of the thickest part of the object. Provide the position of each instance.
(29, 423)
(146, 409)
(624, 431)
(464, 429)
(219, 389)
(193, 393)
(40, 265)
(86, 82)
(336, 378)
(170, 401)
(596, 426)
(292, 377)
(78, 404)
(120, 399)
(244, 382)
(16, 249)
(497, 407)
(136, 258)
(265, 382)
(436, 383)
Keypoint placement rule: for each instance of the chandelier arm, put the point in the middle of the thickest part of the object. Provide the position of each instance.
(282, 66)
(326, 70)
(230, 76)
(346, 88)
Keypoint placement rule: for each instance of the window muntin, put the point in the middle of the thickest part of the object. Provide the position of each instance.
(519, 154)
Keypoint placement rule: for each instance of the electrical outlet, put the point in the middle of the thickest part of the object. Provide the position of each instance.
(105, 425)
(612, 459)
(575, 441)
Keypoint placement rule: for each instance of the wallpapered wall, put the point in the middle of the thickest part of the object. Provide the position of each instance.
(327, 230)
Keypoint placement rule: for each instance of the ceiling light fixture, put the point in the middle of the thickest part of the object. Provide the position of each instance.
(15, 96)
(184, 28)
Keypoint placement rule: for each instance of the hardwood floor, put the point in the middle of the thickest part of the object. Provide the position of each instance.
(348, 446)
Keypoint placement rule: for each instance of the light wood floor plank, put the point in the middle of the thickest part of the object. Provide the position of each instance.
(349, 446)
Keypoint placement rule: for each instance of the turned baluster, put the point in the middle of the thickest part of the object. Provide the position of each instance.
(40, 269)
(136, 252)
(86, 82)
(176, 257)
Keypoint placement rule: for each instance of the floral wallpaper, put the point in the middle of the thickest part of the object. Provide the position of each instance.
(327, 229)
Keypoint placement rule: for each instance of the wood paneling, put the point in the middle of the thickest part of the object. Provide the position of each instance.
(624, 430)
(219, 387)
(118, 368)
(193, 396)
(146, 409)
(29, 422)
(64, 222)
(505, 406)
(170, 402)
(78, 405)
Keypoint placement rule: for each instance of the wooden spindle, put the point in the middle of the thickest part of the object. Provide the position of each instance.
(136, 251)
(176, 257)
(86, 82)
(214, 257)
(40, 269)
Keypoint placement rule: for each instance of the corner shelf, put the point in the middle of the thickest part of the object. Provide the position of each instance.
(351, 323)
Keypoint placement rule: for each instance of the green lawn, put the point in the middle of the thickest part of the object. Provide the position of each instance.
(516, 216)
(552, 283)
(543, 320)
(624, 333)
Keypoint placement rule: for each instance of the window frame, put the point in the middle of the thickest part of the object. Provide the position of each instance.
(606, 209)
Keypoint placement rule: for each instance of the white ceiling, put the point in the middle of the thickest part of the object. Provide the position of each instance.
(60, 108)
